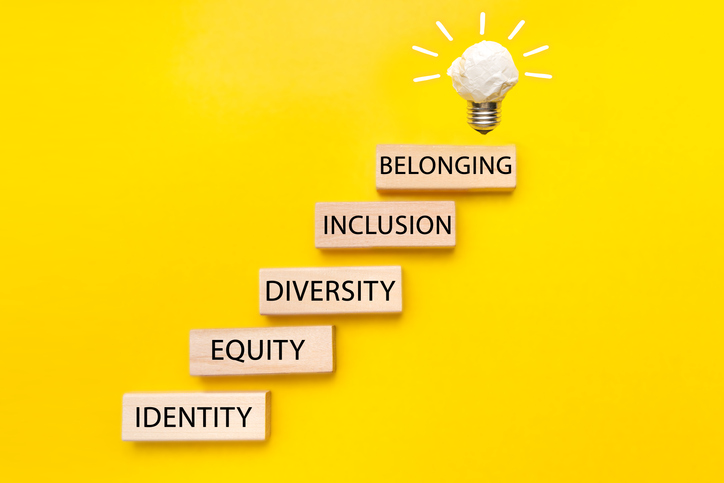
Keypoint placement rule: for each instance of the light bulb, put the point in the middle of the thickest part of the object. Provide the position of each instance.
(482, 76)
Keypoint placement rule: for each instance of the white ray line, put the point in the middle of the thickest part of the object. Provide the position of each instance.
(428, 52)
(515, 30)
(535, 51)
(427, 77)
(482, 23)
(443, 30)
(540, 76)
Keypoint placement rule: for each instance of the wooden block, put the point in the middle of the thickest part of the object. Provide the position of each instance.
(438, 167)
(385, 224)
(196, 416)
(330, 290)
(262, 350)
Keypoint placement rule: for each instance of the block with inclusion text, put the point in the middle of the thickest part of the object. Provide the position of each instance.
(385, 224)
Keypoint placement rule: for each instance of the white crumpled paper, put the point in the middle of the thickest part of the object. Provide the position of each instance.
(484, 73)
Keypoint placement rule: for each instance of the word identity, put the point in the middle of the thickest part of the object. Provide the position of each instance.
(196, 416)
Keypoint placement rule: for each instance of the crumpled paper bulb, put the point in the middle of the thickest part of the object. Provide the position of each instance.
(484, 73)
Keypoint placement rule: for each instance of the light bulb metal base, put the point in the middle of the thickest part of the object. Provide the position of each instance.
(483, 116)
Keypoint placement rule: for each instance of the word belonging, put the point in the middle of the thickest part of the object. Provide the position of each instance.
(403, 167)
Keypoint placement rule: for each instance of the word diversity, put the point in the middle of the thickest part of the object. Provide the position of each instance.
(320, 290)
(338, 290)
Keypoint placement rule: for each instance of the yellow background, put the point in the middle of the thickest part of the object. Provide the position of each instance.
(155, 155)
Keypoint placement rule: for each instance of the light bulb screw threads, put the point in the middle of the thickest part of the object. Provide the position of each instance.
(484, 116)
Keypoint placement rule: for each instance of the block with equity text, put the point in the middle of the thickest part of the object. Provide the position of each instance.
(196, 416)
(330, 290)
(385, 224)
(262, 350)
(417, 167)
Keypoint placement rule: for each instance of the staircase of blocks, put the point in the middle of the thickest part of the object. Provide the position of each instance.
(246, 415)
